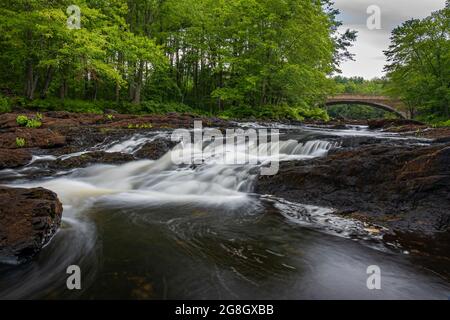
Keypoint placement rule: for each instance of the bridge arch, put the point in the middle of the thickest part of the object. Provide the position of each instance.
(378, 102)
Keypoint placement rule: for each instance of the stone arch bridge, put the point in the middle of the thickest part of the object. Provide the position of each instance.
(380, 102)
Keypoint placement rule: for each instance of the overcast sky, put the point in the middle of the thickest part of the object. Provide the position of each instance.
(369, 47)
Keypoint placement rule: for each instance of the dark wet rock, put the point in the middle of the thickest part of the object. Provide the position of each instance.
(352, 142)
(387, 123)
(443, 139)
(155, 149)
(339, 126)
(401, 187)
(91, 158)
(82, 138)
(28, 220)
(13, 158)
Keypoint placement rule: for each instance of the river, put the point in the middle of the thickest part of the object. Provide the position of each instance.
(156, 230)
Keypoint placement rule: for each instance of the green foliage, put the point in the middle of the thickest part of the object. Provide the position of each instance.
(434, 120)
(314, 114)
(22, 120)
(140, 126)
(281, 112)
(20, 142)
(4, 105)
(358, 112)
(152, 56)
(419, 64)
(163, 108)
(54, 104)
(441, 124)
(33, 123)
(358, 85)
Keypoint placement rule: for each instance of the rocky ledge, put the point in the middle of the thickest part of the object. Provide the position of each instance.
(403, 188)
(28, 220)
(64, 133)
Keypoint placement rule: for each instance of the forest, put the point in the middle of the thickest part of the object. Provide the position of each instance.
(234, 58)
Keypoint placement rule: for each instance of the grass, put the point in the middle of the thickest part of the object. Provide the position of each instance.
(441, 124)
(20, 142)
(140, 126)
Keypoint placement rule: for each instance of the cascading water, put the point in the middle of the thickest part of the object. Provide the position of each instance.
(156, 229)
(163, 181)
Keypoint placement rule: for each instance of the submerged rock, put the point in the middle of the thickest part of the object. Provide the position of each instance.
(91, 158)
(28, 220)
(155, 149)
(405, 188)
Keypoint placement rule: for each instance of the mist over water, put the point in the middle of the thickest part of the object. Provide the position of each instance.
(157, 230)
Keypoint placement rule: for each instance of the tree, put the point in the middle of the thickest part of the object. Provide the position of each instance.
(209, 54)
(419, 63)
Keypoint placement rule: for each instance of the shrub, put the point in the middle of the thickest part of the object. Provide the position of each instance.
(5, 105)
(241, 112)
(33, 123)
(441, 124)
(20, 142)
(163, 108)
(279, 112)
(22, 120)
(434, 120)
(314, 113)
(80, 106)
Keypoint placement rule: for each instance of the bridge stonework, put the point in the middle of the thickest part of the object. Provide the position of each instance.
(380, 102)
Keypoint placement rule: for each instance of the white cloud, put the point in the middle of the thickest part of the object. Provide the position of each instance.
(370, 44)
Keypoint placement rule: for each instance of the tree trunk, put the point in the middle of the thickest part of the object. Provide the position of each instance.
(263, 92)
(29, 80)
(48, 80)
(63, 89)
(117, 92)
(138, 84)
(95, 90)
(33, 87)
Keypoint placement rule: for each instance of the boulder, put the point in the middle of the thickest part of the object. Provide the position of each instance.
(13, 158)
(28, 220)
(155, 149)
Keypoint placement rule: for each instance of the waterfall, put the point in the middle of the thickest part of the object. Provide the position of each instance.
(162, 181)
